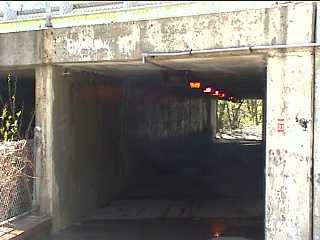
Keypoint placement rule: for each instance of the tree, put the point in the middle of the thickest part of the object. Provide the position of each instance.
(234, 115)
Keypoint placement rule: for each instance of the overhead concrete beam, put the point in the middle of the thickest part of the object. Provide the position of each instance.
(18, 49)
(126, 41)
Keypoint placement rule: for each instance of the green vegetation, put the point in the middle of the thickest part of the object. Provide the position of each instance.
(245, 113)
(16, 152)
(10, 113)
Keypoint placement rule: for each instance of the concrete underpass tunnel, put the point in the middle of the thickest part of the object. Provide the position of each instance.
(136, 141)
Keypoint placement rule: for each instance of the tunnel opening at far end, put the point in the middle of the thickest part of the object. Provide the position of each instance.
(153, 150)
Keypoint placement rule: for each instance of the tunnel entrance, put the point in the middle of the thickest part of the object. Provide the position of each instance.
(145, 159)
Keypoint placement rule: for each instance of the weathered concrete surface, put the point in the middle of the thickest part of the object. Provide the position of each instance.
(316, 136)
(160, 108)
(87, 171)
(92, 118)
(43, 139)
(20, 48)
(316, 162)
(170, 142)
(127, 40)
(289, 152)
(290, 76)
(157, 115)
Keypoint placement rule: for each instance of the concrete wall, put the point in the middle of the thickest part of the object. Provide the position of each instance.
(157, 110)
(158, 116)
(86, 172)
(289, 146)
(97, 124)
(171, 147)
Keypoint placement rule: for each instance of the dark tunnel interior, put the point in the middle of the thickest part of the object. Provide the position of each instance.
(135, 144)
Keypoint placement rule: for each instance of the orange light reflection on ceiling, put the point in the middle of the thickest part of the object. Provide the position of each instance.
(207, 90)
(195, 85)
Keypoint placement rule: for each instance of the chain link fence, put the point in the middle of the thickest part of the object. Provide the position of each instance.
(16, 178)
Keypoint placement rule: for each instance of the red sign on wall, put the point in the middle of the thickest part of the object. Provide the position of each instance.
(280, 125)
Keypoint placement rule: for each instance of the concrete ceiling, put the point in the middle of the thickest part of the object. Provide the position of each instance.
(243, 76)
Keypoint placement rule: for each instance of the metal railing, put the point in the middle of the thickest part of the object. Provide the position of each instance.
(66, 7)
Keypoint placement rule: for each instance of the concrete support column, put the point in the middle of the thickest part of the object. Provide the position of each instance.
(316, 136)
(43, 139)
(289, 145)
(316, 159)
(53, 148)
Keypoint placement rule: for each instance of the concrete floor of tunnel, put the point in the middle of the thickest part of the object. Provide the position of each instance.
(175, 229)
(147, 218)
(171, 219)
